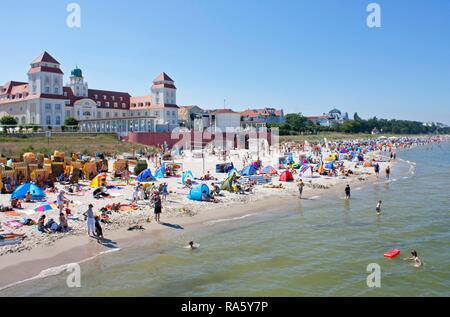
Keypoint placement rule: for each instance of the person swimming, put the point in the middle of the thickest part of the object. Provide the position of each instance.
(378, 207)
(191, 245)
(417, 261)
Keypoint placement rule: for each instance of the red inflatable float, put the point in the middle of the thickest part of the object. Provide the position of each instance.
(392, 254)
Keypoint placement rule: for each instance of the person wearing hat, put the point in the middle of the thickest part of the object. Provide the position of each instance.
(90, 220)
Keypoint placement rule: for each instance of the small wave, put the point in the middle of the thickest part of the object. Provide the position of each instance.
(314, 197)
(230, 219)
(56, 270)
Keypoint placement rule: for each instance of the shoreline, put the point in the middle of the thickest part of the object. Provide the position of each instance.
(42, 261)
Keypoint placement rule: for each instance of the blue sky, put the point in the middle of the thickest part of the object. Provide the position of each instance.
(303, 56)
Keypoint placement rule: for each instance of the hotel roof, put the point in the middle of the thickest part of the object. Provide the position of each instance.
(45, 57)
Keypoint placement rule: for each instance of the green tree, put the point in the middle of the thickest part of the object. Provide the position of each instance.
(8, 120)
(71, 121)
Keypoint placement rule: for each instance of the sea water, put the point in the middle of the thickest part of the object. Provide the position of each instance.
(315, 247)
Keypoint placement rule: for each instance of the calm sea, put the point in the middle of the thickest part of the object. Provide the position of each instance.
(318, 247)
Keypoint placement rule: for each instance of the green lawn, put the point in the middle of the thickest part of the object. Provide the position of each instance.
(87, 144)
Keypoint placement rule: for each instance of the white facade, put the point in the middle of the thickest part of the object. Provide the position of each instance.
(226, 121)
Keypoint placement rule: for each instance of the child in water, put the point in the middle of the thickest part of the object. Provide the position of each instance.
(192, 245)
(378, 208)
(415, 258)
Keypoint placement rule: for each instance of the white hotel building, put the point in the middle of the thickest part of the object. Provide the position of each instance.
(45, 101)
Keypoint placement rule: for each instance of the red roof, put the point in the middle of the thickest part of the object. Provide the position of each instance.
(218, 111)
(164, 86)
(261, 112)
(45, 57)
(9, 86)
(35, 70)
(163, 77)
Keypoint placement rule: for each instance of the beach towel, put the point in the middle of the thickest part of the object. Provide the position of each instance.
(14, 224)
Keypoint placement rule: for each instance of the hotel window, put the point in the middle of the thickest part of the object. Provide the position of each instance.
(146, 113)
(99, 103)
(56, 90)
(48, 106)
(157, 113)
(124, 114)
(47, 90)
(104, 97)
(107, 114)
(107, 104)
(58, 107)
(116, 105)
(58, 120)
(116, 114)
(168, 113)
(124, 105)
(48, 120)
(173, 113)
(67, 113)
(99, 115)
(121, 98)
(96, 96)
(113, 98)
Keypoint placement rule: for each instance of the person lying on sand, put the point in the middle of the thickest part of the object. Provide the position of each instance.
(16, 204)
(136, 227)
(273, 186)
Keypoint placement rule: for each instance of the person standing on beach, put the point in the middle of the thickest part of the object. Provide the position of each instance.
(158, 206)
(90, 220)
(300, 186)
(347, 191)
(388, 172)
(61, 200)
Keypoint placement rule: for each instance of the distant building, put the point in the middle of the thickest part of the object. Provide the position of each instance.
(45, 101)
(337, 117)
(193, 118)
(334, 116)
(224, 120)
(160, 105)
(375, 131)
(261, 117)
(324, 121)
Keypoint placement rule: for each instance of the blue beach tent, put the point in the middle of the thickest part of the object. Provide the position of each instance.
(187, 175)
(161, 172)
(21, 191)
(197, 192)
(145, 176)
(248, 170)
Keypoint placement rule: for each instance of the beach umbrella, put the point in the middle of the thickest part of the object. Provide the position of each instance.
(46, 207)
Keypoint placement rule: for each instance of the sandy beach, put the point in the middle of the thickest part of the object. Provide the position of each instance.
(38, 251)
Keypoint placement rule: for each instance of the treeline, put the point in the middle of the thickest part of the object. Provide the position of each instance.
(298, 124)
